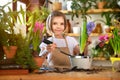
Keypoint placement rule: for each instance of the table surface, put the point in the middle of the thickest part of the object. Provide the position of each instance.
(70, 75)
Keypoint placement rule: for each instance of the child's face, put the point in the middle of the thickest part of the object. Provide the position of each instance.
(58, 25)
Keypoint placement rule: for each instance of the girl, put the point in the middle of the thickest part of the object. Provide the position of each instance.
(56, 25)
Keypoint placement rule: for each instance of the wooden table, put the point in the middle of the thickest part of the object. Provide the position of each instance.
(72, 75)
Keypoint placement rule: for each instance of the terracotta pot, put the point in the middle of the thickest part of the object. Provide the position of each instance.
(10, 51)
(101, 5)
(39, 60)
(57, 6)
(35, 4)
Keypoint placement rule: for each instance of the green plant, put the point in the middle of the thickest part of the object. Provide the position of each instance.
(115, 42)
(24, 57)
(108, 17)
(103, 0)
(7, 23)
(36, 23)
(13, 33)
(113, 4)
(103, 48)
(82, 6)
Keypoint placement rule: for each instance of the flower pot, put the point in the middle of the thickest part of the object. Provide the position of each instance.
(57, 6)
(115, 63)
(39, 61)
(81, 62)
(101, 5)
(76, 30)
(10, 51)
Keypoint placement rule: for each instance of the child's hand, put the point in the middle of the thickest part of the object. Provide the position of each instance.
(51, 47)
(89, 41)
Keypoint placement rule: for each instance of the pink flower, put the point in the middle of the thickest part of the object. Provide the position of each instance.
(104, 37)
(101, 38)
(38, 26)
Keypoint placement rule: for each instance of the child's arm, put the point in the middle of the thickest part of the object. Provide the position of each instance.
(86, 47)
(77, 48)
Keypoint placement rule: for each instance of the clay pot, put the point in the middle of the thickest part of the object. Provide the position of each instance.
(39, 60)
(35, 4)
(101, 4)
(10, 51)
(57, 6)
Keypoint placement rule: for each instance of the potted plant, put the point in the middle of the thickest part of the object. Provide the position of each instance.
(36, 27)
(82, 6)
(8, 38)
(103, 50)
(115, 43)
(109, 16)
(23, 56)
(14, 34)
(36, 31)
(1, 46)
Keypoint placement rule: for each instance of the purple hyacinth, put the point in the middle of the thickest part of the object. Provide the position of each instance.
(90, 27)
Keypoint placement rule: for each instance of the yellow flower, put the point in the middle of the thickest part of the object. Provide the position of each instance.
(109, 34)
(112, 27)
(106, 42)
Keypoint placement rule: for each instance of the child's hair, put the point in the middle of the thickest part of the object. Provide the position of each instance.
(51, 17)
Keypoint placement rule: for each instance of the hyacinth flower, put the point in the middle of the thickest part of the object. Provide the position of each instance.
(90, 27)
(37, 35)
(86, 30)
(20, 29)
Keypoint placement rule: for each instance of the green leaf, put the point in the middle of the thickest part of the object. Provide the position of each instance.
(83, 36)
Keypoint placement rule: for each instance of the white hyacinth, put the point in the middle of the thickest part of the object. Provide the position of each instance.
(20, 29)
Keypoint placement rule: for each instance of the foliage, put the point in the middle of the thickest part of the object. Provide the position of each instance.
(7, 20)
(37, 35)
(115, 41)
(36, 19)
(103, 48)
(24, 56)
(108, 17)
(13, 33)
(82, 6)
(109, 44)
(112, 4)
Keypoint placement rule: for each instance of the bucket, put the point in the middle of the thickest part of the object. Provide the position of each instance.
(81, 62)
